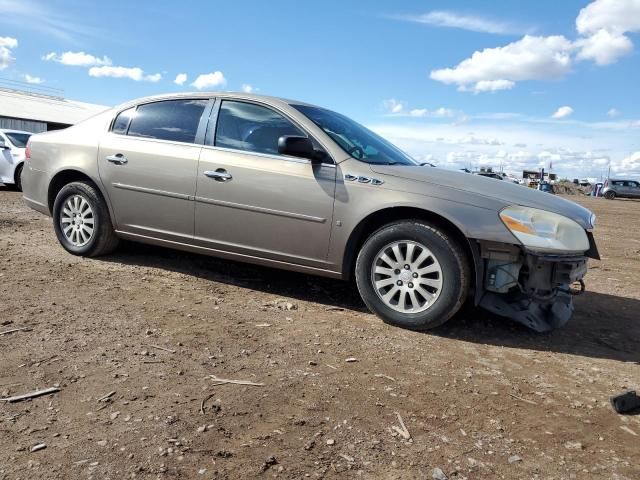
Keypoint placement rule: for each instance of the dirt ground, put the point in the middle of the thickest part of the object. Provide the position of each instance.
(480, 397)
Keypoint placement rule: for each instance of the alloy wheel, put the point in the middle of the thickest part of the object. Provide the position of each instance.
(407, 276)
(77, 221)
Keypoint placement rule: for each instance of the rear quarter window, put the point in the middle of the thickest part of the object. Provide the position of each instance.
(121, 123)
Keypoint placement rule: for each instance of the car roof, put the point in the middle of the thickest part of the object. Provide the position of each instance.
(234, 95)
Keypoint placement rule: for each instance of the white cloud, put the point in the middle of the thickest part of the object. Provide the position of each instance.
(207, 80)
(6, 56)
(180, 79)
(474, 23)
(393, 106)
(133, 73)
(77, 59)
(443, 112)
(490, 86)
(34, 80)
(614, 15)
(604, 47)
(628, 166)
(530, 58)
(613, 112)
(154, 78)
(604, 23)
(562, 112)
(418, 112)
(473, 140)
(246, 88)
(396, 108)
(8, 42)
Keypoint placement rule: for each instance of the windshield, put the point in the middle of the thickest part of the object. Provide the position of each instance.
(359, 142)
(19, 140)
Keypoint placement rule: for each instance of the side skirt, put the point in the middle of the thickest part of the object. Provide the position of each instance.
(229, 256)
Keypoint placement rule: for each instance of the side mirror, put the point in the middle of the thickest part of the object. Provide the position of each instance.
(3, 145)
(296, 147)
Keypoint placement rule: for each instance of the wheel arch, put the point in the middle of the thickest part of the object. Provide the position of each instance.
(378, 219)
(66, 176)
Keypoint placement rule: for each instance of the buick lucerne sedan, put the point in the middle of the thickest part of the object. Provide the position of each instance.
(291, 185)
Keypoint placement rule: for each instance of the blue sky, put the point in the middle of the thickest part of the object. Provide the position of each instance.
(520, 84)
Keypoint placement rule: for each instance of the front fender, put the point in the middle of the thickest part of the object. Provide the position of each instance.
(356, 202)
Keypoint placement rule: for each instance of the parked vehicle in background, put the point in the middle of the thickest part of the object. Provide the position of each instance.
(621, 188)
(12, 153)
(545, 187)
(295, 186)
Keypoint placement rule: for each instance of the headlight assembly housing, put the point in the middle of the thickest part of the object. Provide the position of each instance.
(544, 231)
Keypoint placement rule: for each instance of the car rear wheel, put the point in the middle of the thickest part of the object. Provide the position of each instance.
(17, 177)
(81, 221)
(412, 274)
(610, 195)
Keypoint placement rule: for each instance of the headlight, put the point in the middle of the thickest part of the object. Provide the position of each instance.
(542, 230)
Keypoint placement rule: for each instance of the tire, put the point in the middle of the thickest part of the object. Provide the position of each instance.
(17, 176)
(610, 195)
(85, 199)
(444, 274)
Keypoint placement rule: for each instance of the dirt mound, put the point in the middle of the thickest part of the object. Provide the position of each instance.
(569, 188)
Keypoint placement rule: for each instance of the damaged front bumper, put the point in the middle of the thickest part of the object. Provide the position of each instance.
(534, 289)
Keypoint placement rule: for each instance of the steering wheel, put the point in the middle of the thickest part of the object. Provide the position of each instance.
(352, 150)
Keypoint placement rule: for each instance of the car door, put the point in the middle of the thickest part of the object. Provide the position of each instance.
(633, 189)
(619, 188)
(253, 201)
(148, 163)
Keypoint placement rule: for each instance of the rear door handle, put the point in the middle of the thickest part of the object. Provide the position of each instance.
(221, 175)
(117, 159)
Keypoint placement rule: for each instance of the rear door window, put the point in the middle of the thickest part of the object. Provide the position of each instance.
(173, 120)
(251, 127)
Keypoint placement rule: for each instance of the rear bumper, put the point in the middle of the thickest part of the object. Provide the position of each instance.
(37, 206)
(35, 189)
(536, 290)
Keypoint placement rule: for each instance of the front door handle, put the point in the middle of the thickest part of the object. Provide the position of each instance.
(220, 175)
(117, 159)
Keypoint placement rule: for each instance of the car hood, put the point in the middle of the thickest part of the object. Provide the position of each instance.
(503, 192)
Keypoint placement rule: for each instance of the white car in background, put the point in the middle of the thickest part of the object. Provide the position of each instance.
(13, 145)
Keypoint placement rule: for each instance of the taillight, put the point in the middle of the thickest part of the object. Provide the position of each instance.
(27, 152)
(606, 183)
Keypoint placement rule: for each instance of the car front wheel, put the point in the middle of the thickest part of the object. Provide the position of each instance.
(81, 221)
(412, 274)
